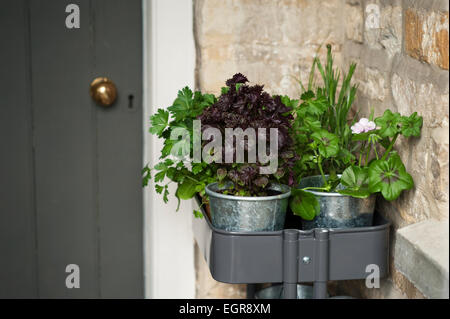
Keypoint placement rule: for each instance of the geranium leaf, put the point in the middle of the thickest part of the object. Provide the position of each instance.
(304, 204)
(389, 177)
(388, 123)
(411, 125)
(345, 155)
(355, 177)
(328, 143)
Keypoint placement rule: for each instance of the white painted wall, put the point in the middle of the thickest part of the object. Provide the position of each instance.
(169, 62)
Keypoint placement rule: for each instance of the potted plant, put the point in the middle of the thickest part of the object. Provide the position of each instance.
(343, 163)
(175, 127)
(251, 193)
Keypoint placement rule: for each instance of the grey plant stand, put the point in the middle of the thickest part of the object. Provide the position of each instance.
(292, 256)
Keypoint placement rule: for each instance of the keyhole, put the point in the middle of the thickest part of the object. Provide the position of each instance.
(130, 101)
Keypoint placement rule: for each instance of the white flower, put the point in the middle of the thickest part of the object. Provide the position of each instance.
(363, 126)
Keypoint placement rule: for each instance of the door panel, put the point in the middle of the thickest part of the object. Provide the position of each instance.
(65, 149)
(117, 201)
(73, 189)
(17, 219)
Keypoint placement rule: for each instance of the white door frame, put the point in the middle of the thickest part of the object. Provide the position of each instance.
(169, 65)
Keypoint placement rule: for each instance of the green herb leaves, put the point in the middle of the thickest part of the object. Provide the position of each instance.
(182, 106)
(177, 135)
(313, 106)
(187, 189)
(159, 122)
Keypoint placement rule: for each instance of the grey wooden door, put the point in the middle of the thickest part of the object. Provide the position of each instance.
(70, 186)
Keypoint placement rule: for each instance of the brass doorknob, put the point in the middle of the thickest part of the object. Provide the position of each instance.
(103, 91)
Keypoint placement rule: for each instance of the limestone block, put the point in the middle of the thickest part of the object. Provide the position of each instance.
(354, 21)
(383, 27)
(426, 158)
(426, 36)
(372, 83)
(391, 29)
(272, 42)
(421, 254)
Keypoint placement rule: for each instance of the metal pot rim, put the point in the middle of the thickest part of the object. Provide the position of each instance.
(325, 194)
(286, 192)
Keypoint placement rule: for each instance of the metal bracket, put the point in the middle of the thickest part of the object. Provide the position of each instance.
(294, 256)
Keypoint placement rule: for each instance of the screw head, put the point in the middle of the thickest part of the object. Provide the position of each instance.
(306, 260)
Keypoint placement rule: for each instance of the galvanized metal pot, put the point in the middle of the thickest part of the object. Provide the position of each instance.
(336, 210)
(276, 292)
(239, 213)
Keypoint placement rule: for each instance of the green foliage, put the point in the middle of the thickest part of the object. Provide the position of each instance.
(198, 214)
(389, 177)
(321, 129)
(190, 179)
(304, 204)
(389, 124)
(411, 125)
(146, 175)
(186, 189)
(326, 145)
(159, 122)
(356, 181)
(312, 106)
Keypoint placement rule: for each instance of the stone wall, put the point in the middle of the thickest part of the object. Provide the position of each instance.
(403, 65)
(401, 48)
(271, 42)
